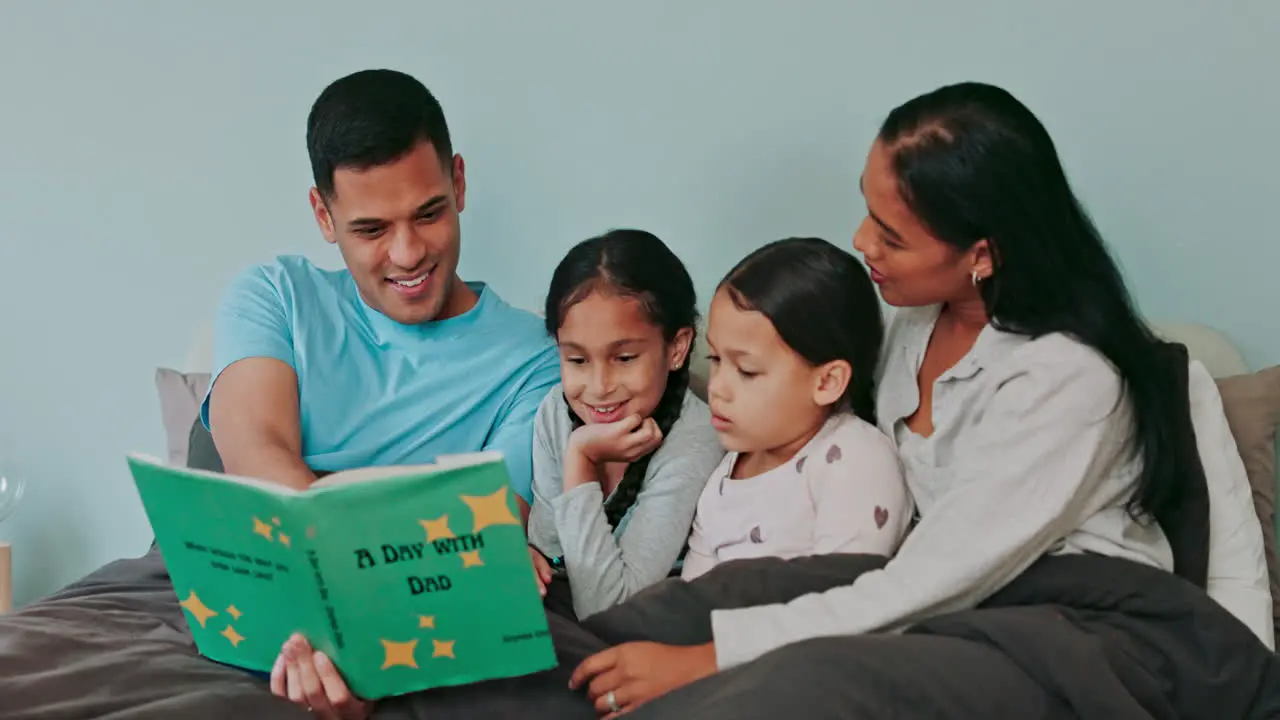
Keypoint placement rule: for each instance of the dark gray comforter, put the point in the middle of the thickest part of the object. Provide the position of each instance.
(1073, 637)
(115, 645)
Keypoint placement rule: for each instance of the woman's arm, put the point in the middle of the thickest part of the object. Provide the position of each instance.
(860, 496)
(604, 569)
(1055, 429)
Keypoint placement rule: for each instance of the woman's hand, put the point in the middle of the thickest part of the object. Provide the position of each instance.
(626, 440)
(541, 570)
(622, 678)
(309, 678)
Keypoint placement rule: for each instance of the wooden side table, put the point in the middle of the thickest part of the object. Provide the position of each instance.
(6, 577)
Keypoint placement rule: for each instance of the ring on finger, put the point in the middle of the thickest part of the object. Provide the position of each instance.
(613, 702)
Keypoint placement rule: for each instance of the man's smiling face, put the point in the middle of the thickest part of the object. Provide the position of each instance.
(397, 227)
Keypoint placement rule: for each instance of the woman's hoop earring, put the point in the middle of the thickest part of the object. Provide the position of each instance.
(974, 277)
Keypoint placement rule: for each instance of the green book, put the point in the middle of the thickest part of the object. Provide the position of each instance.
(408, 578)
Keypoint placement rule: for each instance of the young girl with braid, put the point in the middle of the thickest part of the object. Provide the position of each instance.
(621, 447)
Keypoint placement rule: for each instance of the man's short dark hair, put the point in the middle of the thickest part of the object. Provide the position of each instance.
(371, 118)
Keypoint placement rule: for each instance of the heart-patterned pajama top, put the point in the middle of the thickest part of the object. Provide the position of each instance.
(843, 492)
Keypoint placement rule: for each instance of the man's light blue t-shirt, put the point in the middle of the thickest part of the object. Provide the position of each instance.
(375, 392)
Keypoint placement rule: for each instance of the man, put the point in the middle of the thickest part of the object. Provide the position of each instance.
(394, 360)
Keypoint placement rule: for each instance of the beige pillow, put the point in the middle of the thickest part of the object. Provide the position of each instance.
(180, 397)
(1252, 405)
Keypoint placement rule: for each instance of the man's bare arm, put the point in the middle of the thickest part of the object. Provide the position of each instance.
(253, 412)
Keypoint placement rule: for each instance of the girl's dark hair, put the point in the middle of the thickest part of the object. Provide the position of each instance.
(974, 163)
(821, 301)
(635, 264)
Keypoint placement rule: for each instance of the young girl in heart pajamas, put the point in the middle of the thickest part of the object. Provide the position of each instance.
(794, 332)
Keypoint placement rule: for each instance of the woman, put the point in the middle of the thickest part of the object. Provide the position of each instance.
(1034, 412)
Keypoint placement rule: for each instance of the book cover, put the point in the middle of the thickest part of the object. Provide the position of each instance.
(408, 578)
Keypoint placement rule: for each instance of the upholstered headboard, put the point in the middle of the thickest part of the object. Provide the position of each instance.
(1250, 401)
(1205, 344)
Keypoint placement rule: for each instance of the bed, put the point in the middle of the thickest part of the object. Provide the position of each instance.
(115, 645)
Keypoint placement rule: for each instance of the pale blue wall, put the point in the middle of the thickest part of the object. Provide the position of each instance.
(149, 150)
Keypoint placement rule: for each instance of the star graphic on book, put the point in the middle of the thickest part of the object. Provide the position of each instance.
(471, 558)
(311, 532)
(275, 521)
(442, 648)
(234, 612)
(231, 635)
(262, 528)
(399, 653)
(285, 540)
(437, 529)
(489, 510)
(427, 621)
(197, 608)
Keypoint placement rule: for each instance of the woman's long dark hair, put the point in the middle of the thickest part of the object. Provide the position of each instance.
(820, 300)
(635, 264)
(974, 163)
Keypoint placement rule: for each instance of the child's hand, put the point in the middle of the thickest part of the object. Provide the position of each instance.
(541, 570)
(309, 678)
(626, 440)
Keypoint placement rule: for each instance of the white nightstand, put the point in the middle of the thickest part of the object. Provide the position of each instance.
(6, 577)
